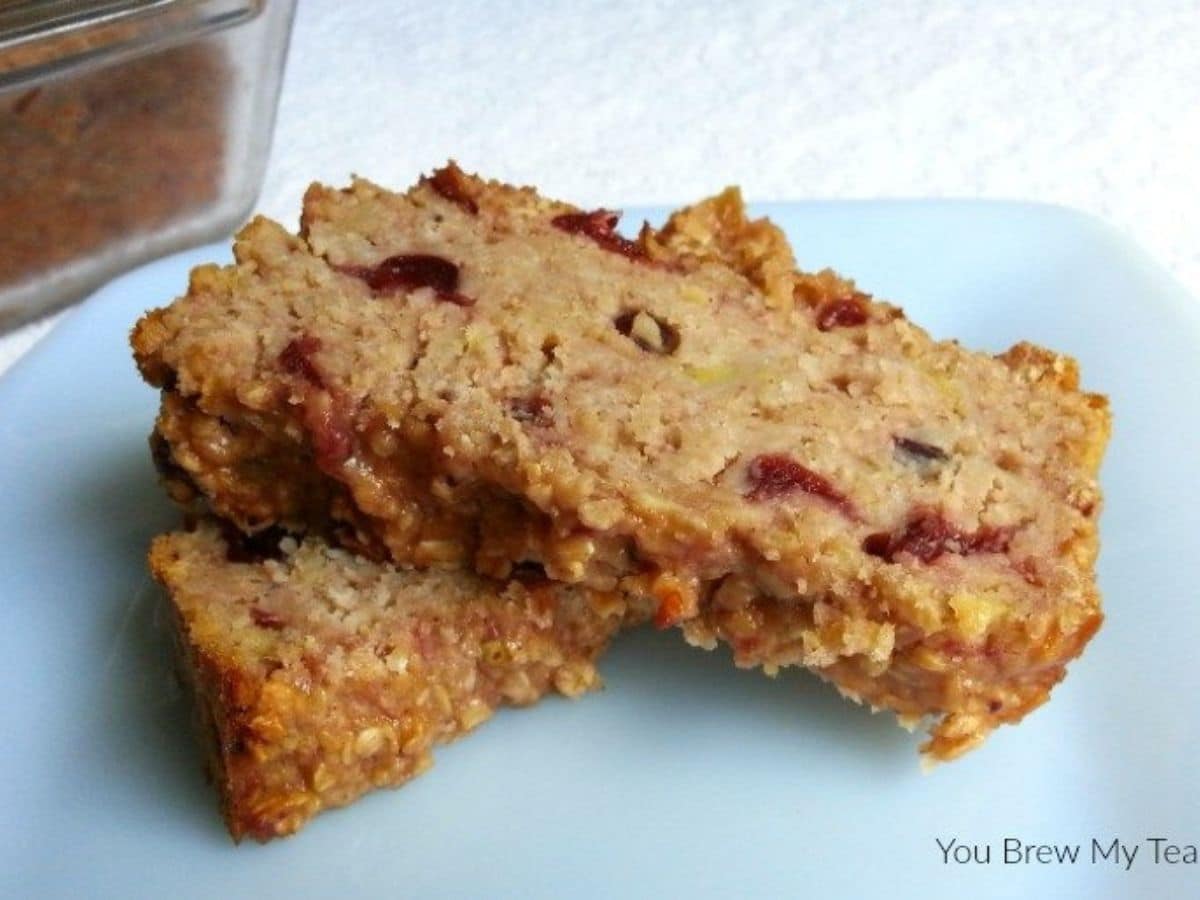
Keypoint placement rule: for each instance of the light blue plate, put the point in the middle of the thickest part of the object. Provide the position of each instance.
(685, 777)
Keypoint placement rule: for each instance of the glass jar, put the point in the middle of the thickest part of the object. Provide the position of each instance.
(128, 129)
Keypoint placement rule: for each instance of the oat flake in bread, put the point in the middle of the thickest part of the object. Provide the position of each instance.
(470, 374)
(319, 676)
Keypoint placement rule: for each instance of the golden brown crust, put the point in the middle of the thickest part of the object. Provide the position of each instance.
(319, 676)
(718, 230)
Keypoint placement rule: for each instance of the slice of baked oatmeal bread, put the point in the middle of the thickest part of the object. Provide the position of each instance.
(468, 373)
(319, 675)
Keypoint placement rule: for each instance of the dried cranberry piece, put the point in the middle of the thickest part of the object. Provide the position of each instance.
(668, 335)
(877, 544)
(774, 475)
(533, 410)
(988, 539)
(414, 270)
(251, 548)
(409, 271)
(297, 359)
(323, 414)
(449, 182)
(1028, 569)
(264, 618)
(919, 450)
(928, 535)
(600, 225)
(842, 312)
(330, 432)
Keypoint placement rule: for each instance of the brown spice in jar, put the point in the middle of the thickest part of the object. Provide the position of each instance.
(94, 159)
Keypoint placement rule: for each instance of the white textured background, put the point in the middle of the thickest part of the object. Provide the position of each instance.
(1091, 104)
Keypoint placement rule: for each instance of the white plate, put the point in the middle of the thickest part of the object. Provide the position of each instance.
(685, 777)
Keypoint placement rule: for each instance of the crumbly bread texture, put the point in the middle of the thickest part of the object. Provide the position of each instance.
(468, 373)
(319, 675)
